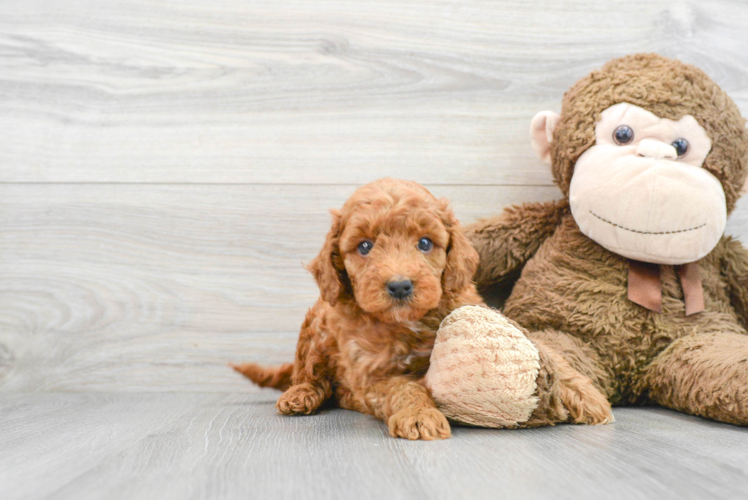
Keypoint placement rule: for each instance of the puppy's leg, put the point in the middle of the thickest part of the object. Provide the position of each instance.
(310, 382)
(302, 399)
(408, 409)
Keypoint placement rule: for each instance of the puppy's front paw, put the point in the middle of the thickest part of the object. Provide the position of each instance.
(419, 423)
(301, 399)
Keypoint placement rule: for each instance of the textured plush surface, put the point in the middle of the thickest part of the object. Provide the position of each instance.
(483, 369)
(572, 292)
(487, 370)
(575, 287)
(666, 209)
(669, 89)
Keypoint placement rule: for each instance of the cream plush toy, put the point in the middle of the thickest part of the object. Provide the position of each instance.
(629, 292)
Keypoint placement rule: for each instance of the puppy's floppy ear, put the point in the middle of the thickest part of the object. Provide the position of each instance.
(328, 268)
(462, 259)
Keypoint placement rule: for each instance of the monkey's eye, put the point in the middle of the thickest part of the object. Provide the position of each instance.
(623, 135)
(425, 245)
(365, 247)
(681, 146)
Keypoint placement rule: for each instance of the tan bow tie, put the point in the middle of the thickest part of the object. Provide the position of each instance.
(645, 287)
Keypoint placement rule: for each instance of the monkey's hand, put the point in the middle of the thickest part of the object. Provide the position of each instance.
(507, 241)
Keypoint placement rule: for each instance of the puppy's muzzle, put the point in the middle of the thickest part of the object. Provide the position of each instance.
(400, 289)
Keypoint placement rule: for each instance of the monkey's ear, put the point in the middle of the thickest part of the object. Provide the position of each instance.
(743, 188)
(541, 134)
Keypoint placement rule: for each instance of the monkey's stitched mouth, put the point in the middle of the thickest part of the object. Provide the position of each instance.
(647, 232)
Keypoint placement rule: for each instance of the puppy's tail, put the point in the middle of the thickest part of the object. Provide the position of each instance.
(276, 377)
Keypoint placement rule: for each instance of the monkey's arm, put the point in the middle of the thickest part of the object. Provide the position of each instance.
(734, 269)
(505, 242)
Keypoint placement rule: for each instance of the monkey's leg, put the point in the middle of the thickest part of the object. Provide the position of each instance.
(486, 371)
(571, 374)
(702, 374)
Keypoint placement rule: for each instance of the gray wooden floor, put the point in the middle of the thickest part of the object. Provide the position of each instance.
(216, 446)
(167, 165)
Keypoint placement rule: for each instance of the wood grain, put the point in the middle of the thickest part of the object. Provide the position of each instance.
(211, 446)
(156, 287)
(133, 287)
(323, 92)
(165, 169)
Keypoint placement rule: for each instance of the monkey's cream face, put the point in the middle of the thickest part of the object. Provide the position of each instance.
(641, 191)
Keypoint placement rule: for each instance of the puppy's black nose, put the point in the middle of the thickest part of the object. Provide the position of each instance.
(400, 289)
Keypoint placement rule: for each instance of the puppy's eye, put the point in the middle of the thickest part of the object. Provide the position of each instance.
(681, 146)
(623, 135)
(365, 247)
(425, 245)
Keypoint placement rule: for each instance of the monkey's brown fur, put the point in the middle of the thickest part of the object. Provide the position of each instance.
(360, 347)
(572, 293)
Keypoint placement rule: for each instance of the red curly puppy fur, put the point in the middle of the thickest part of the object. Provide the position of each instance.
(365, 345)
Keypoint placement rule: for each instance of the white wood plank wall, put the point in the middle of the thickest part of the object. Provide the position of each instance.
(166, 167)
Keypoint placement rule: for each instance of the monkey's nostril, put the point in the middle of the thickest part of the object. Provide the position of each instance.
(400, 289)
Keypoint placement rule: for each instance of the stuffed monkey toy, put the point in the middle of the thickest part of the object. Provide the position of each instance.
(629, 293)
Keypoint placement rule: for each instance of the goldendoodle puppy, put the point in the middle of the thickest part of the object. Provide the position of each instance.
(393, 265)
